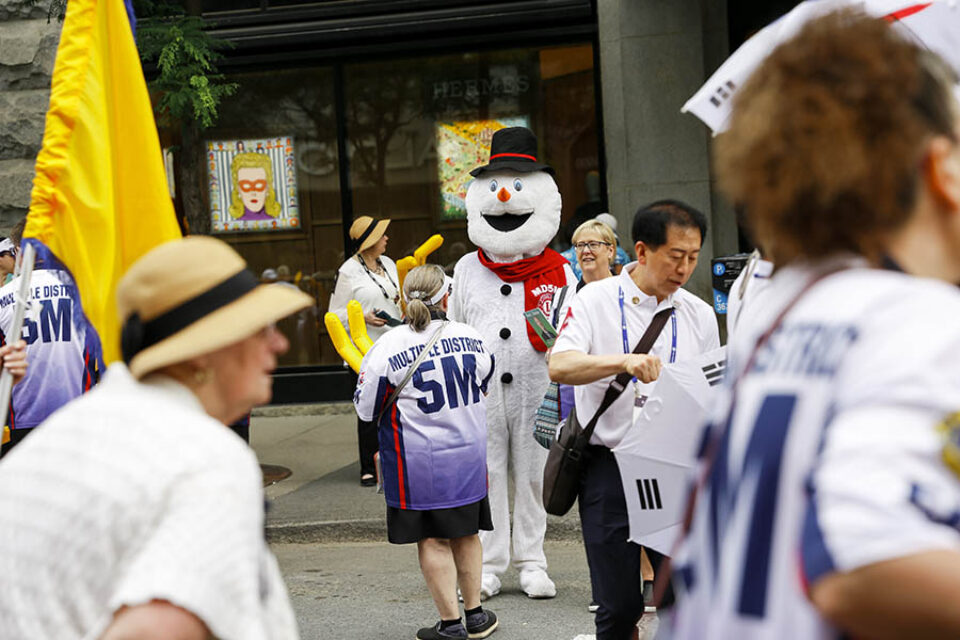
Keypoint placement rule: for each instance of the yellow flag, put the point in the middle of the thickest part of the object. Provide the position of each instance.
(100, 198)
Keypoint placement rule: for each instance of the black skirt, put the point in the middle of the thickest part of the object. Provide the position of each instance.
(406, 525)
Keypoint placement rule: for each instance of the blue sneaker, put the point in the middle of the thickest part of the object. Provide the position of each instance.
(481, 625)
(456, 631)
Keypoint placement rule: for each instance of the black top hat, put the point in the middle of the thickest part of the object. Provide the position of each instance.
(515, 149)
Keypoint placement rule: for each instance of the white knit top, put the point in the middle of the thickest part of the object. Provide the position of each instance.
(129, 494)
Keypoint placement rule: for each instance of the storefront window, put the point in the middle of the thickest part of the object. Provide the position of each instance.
(413, 128)
(416, 127)
(294, 109)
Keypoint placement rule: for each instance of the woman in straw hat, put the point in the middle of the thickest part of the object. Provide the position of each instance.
(134, 511)
(433, 446)
(370, 278)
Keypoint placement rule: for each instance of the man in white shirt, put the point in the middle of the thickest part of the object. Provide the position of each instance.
(601, 328)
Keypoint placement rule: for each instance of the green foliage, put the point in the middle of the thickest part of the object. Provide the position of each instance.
(188, 88)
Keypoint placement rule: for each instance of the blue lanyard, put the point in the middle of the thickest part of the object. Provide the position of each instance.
(623, 330)
(673, 343)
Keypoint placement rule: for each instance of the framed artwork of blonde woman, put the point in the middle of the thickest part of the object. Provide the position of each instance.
(253, 185)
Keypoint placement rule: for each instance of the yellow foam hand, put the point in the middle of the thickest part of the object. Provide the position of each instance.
(341, 341)
(358, 327)
(432, 244)
(418, 259)
(403, 266)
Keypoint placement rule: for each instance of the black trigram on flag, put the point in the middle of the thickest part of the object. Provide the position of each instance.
(723, 93)
(649, 492)
(714, 372)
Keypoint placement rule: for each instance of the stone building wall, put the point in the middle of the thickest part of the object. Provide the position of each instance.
(654, 55)
(28, 47)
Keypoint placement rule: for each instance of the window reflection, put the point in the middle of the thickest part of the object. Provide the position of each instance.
(401, 113)
(297, 103)
(411, 126)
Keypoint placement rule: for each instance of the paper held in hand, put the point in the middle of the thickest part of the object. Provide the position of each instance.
(657, 453)
(541, 325)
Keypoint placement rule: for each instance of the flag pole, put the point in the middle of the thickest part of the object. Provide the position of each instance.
(19, 309)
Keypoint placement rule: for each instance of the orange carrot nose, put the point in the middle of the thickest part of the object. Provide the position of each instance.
(503, 195)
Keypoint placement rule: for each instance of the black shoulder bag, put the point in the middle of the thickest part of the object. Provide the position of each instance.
(561, 474)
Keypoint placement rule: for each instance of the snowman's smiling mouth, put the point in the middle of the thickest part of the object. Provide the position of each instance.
(507, 221)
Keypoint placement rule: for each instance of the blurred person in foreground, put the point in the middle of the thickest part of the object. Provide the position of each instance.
(370, 278)
(830, 501)
(433, 447)
(134, 512)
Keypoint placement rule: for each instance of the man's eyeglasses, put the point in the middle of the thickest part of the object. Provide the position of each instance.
(592, 245)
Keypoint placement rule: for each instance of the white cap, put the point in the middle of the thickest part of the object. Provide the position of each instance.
(7, 245)
(608, 220)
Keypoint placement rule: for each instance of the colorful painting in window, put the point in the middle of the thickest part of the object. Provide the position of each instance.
(462, 146)
(253, 185)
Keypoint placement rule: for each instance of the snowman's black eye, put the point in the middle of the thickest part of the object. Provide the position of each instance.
(493, 185)
(517, 185)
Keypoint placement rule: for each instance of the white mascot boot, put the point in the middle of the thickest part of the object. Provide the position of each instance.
(513, 212)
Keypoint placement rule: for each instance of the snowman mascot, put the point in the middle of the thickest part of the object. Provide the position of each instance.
(513, 212)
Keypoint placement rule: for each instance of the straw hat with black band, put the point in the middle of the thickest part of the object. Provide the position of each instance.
(207, 301)
(366, 232)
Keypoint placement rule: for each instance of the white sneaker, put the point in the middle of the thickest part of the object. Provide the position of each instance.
(489, 586)
(537, 584)
(584, 636)
(648, 626)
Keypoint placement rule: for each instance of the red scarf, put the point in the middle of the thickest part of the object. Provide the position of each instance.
(541, 276)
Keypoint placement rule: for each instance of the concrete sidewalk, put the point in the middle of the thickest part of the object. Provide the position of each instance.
(322, 500)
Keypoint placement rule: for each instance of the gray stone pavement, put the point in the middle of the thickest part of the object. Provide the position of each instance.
(322, 500)
(345, 581)
(375, 591)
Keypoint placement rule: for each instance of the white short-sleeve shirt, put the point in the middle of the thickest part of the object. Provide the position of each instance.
(592, 325)
(373, 291)
(128, 494)
(830, 455)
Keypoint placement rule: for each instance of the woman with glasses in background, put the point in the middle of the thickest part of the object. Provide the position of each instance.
(596, 245)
